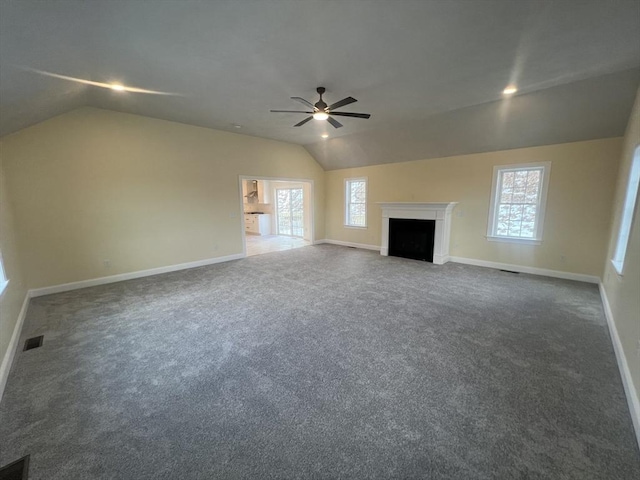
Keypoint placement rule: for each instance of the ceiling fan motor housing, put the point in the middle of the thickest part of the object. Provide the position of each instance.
(320, 104)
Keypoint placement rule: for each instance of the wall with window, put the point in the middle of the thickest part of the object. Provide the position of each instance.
(13, 296)
(99, 193)
(622, 290)
(579, 198)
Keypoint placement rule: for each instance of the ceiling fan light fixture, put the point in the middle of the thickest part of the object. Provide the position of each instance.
(321, 111)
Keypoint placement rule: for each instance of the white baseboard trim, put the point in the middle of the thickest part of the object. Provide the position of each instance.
(627, 381)
(350, 244)
(9, 355)
(580, 277)
(66, 287)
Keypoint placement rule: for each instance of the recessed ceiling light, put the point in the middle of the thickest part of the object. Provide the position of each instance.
(235, 125)
(510, 90)
(325, 135)
(320, 116)
(116, 87)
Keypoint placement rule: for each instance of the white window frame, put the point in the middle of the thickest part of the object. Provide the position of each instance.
(347, 197)
(498, 170)
(628, 211)
(4, 281)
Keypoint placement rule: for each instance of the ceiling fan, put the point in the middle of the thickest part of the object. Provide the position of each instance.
(322, 111)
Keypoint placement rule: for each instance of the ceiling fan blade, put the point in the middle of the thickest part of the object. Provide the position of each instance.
(290, 111)
(349, 114)
(303, 122)
(342, 103)
(302, 100)
(333, 122)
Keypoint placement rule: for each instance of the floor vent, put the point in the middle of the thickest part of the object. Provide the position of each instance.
(34, 342)
(509, 271)
(18, 470)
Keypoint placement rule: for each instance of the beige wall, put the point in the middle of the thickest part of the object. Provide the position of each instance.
(623, 292)
(581, 187)
(94, 185)
(14, 295)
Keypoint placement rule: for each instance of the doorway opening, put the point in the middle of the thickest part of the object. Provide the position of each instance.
(277, 214)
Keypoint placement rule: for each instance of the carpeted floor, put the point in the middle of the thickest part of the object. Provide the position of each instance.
(321, 362)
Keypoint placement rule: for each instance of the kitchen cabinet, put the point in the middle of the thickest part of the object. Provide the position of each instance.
(257, 224)
(264, 193)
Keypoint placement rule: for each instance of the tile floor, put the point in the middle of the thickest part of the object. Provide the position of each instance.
(259, 244)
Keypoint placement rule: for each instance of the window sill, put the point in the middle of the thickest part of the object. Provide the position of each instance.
(3, 287)
(522, 241)
(618, 267)
(356, 227)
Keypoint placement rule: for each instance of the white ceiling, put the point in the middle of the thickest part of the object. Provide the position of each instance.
(430, 72)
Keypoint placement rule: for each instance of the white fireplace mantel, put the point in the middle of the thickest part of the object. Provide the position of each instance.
(440, 212)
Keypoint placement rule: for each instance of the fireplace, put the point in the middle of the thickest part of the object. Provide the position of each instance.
(431, 232)
(410, 238)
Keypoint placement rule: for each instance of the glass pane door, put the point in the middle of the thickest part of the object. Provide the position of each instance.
(289, 212)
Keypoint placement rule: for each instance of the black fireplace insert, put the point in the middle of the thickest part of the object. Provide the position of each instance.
(412, 238)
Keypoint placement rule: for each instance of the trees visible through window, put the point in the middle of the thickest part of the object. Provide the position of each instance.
(290, 212)
(356, 202)
(627, 213)
(518, 202)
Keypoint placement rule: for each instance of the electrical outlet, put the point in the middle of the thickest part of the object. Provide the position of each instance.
(106, 263)
(563, 258)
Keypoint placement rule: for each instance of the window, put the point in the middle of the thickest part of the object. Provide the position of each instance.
(518, 199)
(356, 202)
(627, 213)
(3, 278)
(290, 212)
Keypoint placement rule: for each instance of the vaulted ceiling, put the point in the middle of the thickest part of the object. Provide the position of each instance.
(431, 73)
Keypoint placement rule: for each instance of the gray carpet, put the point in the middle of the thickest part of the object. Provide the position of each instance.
(321, 362)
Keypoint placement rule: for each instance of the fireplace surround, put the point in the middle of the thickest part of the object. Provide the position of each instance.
(440, 212)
